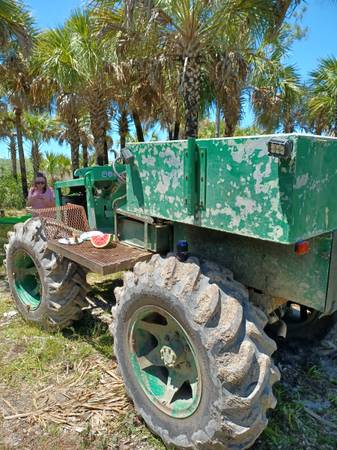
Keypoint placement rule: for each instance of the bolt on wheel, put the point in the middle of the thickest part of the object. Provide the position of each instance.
(164, 361)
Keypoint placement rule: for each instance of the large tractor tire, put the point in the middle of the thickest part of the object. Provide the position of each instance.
(193, 354)
(48, 290)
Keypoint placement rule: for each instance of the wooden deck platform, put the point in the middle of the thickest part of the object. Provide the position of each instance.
(102, 261)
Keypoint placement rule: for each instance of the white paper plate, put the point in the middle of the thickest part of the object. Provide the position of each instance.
(70, 241)
(89, 234)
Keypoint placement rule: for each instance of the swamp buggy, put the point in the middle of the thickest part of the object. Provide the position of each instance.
(219, 240)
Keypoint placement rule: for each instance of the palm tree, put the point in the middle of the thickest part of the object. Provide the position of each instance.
(69, 108)
(16, 25)
(191, 36)
(123, 126)
(76, 62)
(134, 67)
(228, 72)
(86, 139)
(169, 107)
(276, 97)
(16, 36)
(38, 129)
(192, 28)
(63, 164)
(81, 131)
(323, 102)
(15, 81)
(7, 131)
(50, 164)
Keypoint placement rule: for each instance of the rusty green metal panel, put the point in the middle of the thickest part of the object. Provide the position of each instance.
(315, 187)
(132, 232)
(273, 268)
(101, 190)
(246, 191)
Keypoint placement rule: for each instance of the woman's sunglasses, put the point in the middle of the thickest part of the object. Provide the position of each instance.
(40, 182)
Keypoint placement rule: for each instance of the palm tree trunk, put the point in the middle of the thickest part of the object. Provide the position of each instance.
(75, 156)
(288, 122)
(176, 130)
(106, 151)
(191, 95)
(85, 155)
(229, 129)
(74, 141)
(217, 118)
(231, 109)
(280, 10)
(123, 127)
(138, 125)
(18, 125)
(12, 151)
(289, 126)
(99, 123)
(36, 158)
(99, 141)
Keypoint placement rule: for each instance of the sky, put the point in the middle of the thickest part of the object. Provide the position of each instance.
(320, 18)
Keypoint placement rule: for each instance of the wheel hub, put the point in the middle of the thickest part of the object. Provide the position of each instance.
(164, 361)
(168, 356)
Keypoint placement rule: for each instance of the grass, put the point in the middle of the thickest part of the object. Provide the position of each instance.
(3, 239)
(304, 389)
(41, 356)
(37, 353)
(30, 359)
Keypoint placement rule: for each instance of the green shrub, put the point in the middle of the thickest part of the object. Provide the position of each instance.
(10, 192)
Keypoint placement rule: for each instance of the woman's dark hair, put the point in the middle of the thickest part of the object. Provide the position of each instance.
(41, 175)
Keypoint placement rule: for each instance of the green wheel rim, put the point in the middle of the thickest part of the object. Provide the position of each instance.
(164, 361)
(26, 280)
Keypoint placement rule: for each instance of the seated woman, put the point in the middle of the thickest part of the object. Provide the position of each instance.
(41, 195)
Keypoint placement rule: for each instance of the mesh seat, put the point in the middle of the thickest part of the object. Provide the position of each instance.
(62, 221)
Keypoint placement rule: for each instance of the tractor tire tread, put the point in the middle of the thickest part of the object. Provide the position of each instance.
(238, 349)
(64, 283)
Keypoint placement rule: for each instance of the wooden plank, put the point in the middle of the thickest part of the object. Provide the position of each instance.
(103, 261)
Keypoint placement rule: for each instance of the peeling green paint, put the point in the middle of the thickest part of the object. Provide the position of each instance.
(247, 192)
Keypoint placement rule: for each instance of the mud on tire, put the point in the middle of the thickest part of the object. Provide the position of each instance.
(63, 283)
(234, 353)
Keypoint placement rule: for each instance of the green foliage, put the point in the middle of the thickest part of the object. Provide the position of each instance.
(4, 229)
(150, 61)
(56, 166)
(16, 24)
(10, 195)
(248, 131)
(207, 130)
(323, 102)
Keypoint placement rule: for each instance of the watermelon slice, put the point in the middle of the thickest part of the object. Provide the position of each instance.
(103, 241)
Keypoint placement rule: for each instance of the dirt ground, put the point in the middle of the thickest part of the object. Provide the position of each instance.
(63, 391)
